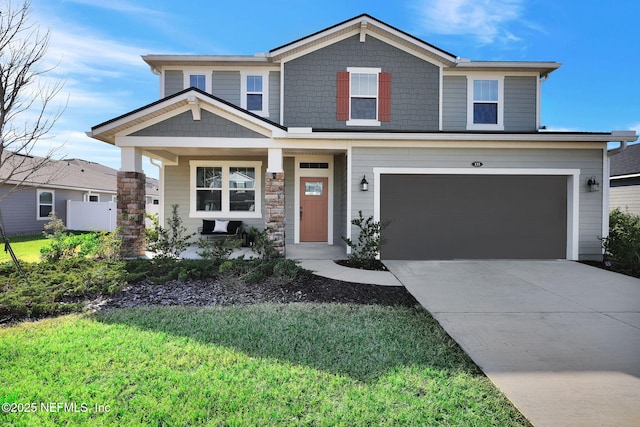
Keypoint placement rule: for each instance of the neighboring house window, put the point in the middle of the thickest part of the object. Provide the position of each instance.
(198, 81)
(255, 92)
(225, 189)
(91, 197)
(46, 201)
(363, 96)
(485, 106)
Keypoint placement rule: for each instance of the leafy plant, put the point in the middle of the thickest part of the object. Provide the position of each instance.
(262, 244)
(173, 240)
(66, 245)
(365, 250)
(623, 242)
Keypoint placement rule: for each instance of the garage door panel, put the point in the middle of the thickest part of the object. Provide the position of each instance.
(474, 216)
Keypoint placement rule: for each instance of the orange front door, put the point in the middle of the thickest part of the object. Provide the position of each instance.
(314, 209)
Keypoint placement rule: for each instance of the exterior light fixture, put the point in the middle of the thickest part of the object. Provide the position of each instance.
(593, 184)
(364, 185)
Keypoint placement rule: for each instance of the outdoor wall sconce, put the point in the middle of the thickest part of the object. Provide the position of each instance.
(593, 184)
(364, 185)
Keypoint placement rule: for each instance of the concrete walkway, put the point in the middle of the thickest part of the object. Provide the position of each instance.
(559, 338)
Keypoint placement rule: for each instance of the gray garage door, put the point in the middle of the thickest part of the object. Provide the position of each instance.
(474, 216)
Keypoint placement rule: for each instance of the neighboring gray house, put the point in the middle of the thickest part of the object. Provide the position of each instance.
(451, 150)
(625, 180)
(26, 209)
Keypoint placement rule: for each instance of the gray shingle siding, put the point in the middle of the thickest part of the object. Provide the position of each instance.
(226, 85)
(210, 125)
(520, 103)
(310, 82)
(454, 103)
(173, 82)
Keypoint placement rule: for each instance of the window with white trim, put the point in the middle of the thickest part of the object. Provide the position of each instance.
(485, 109)
(198, 79)
(363, 96)
(45, 203)
(255, 92)
(91, 197)
(225, 189)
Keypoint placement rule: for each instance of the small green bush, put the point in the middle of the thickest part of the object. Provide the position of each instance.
(623, 242)
(365, 250)
(173, 240)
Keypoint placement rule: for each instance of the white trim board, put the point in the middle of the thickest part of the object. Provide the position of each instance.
(573, 191)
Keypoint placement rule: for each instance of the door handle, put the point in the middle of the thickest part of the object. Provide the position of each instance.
(300, 214)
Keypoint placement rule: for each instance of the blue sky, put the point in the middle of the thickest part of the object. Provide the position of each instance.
(97, 45)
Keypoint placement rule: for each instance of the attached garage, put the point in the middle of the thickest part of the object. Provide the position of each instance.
(475, 216)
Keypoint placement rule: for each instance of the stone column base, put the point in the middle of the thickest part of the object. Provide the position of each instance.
(131, 212)
(274, 209)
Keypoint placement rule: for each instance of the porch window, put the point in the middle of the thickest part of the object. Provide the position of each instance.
(225, 189)
(45, 201)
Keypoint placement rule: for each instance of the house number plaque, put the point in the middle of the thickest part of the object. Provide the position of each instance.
(476, 164)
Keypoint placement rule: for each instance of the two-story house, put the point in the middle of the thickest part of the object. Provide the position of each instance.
(362, 116)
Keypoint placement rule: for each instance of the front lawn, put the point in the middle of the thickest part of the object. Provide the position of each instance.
(26, 248)
(264, 364)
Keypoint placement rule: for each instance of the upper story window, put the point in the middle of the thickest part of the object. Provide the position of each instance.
(46, 201)
(91, 197)
(255, 92)
(363, 96)
(225, 189)
(485, 109)
(198, 81)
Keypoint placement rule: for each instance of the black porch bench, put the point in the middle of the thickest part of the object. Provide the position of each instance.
(217, 228)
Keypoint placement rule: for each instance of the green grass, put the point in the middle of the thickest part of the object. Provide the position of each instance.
(279, 365)
(26, 248)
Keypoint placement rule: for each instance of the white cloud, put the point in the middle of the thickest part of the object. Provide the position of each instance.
(635, 127)
(119, 6)
(485, 20)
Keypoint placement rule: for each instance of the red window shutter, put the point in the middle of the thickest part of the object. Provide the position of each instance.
(342, 97)
(384, 97)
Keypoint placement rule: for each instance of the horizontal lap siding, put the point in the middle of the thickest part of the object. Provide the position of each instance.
(520, 103)
(454, 103)
(178, 191)
(588, 161)
(226, 85)
(626, 198)
(173, 82)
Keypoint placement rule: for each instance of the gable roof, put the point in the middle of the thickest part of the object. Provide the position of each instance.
(361, 24)
(626, 162)
(188, 97)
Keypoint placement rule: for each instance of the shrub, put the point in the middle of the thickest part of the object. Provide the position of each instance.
(173, 240)
(365, 250)
(623, 242)
(220, 248)
(57, 288)
(151, 233)
(262, 244)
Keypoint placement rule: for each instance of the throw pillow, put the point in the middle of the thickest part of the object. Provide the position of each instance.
(207, 226)
(221, 226)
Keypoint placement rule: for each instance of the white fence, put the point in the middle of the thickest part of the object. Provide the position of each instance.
(91, 216)
(97, 216)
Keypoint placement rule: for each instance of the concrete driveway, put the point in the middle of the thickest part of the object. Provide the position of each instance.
(559, 338)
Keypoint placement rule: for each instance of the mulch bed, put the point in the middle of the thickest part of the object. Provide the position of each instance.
(213, 292)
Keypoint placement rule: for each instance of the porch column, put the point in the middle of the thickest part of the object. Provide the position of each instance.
(131, 202)
(274, 199)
